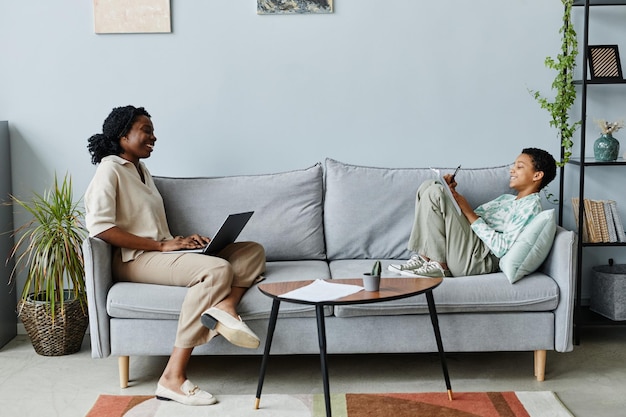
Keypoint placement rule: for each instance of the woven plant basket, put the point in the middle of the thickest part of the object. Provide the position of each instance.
(63, 337)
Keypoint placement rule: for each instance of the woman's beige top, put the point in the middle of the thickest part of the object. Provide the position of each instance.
(116, 196)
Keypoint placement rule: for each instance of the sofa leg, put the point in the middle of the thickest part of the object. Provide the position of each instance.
(540, 365)
(123, 363)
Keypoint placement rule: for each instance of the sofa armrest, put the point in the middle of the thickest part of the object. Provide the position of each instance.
(98, 281)
(561, 266)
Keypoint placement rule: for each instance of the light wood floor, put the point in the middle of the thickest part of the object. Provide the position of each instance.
(590, 381)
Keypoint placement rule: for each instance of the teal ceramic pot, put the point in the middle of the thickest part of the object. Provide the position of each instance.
(606, 148)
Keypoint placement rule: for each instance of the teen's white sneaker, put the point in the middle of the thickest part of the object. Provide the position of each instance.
(431, 269)
(415, 262)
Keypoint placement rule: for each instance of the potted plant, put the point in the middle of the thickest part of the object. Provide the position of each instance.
(563, 85)
(53, 302)
(371, 280)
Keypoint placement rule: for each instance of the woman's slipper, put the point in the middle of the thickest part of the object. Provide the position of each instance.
(192, 395)
(233, 329)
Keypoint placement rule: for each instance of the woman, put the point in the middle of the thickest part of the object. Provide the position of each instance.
(124, 208)
(447, 244)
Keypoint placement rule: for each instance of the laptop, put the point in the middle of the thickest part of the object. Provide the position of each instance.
(227, 234)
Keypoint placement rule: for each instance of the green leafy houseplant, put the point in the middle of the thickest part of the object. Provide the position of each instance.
(49, 247)
(563, 84)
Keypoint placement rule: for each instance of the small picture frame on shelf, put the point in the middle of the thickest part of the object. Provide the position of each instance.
(604, 62)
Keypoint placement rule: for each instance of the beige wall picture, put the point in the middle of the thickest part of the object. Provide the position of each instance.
(294, 6)
(132, 16)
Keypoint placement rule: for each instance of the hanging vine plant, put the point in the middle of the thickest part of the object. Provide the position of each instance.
(563, 84)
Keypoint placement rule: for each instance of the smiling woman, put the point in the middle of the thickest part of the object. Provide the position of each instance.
(117, 125)
(125, 209)
(139, 142)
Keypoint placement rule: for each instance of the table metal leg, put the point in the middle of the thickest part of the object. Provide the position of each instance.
(266, 353)
(442, 356)
(321, 333)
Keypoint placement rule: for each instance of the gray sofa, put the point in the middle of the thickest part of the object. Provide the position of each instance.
(331, 221)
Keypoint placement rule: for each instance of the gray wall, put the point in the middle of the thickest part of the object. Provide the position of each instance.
(8, 327)
(386, 83)
(393, 83)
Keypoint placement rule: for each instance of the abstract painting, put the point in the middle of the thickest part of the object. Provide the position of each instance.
(132, 16)
(294, 6)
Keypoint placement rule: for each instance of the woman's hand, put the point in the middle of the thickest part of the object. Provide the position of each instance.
(449, 179)
(194, 241)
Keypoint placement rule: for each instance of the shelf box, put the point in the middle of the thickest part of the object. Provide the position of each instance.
(608, 291)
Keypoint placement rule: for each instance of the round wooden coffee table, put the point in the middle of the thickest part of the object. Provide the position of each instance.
(390, 289)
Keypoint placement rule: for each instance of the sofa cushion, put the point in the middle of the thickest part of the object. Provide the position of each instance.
(477, 293)
(129, 300)
(293, 199)
(531, 247)
(368, 212)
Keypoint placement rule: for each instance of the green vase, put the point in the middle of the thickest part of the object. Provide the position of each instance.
(606, 148)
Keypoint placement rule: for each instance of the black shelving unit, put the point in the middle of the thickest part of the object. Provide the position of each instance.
(582, 315)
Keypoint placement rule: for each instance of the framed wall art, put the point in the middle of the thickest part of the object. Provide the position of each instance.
(604, 62)
(294, 6)
(132, 16)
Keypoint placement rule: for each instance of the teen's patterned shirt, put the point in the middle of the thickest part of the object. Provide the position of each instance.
(503, 219)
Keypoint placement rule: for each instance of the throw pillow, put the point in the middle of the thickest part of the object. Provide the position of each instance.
(531, 247)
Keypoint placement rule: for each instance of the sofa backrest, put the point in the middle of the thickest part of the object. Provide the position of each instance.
(287, 206)
(368, 211)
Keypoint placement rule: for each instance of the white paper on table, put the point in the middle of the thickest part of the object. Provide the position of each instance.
(320, 290)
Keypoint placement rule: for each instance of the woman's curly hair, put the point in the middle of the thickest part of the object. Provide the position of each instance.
(115, 126)
(542, 161)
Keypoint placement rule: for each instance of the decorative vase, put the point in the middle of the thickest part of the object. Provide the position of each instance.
(371, 282)
(606, 148)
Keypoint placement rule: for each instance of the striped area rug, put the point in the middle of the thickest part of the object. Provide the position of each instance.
(465, 404)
